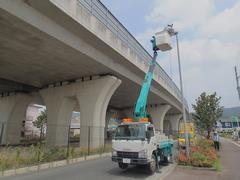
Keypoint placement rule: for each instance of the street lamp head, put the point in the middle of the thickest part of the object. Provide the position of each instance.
(170, 30)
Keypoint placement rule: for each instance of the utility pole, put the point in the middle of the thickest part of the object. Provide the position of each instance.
(237, 79)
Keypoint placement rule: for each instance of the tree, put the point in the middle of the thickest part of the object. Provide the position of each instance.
(41, 122)
(207, 111)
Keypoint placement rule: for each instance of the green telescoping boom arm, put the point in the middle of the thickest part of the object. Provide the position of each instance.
(140, 107)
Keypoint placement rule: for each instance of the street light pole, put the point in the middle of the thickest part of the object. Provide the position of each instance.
(182, 94)
(237, 80)
(172, 32)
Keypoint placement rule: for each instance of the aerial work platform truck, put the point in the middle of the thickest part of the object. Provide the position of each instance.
(136, 142)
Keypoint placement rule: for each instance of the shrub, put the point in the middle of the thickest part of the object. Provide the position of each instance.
(204, 143)
(182, 159)
(202, 155)
(211, 154)
(200, 160)
(226, 134)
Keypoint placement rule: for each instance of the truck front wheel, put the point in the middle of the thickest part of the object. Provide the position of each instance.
(122, 165)
(152, 166)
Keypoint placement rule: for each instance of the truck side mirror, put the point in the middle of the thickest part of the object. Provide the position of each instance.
(148, 135)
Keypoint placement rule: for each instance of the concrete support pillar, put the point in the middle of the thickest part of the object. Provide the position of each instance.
(167, 127)
(59, 112)
(174, 119)
(158, 114)
(92, 96)
(93, 99)
(12, 113)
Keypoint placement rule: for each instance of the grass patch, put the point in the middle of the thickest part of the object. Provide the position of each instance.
(17, 157)
(226, 134)
(217, 165)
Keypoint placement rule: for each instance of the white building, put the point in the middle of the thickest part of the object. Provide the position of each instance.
(29, 130)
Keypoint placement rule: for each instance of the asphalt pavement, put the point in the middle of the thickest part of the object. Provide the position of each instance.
(230, 157)
(101, 169)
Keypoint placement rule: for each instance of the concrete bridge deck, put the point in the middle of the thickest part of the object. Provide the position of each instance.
(54, 50)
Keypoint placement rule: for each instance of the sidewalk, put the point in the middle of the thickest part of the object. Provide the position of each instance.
(230, 158)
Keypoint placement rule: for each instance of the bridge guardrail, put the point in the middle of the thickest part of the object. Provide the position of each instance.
(98, 10)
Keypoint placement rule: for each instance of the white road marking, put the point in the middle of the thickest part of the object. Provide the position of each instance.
(232, 142)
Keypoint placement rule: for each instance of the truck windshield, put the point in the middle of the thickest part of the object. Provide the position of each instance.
(132, 132)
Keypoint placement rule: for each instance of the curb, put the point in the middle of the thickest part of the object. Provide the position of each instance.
(167, 172)
(53, 164)
(196, 168)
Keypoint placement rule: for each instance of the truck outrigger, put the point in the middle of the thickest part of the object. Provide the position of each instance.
(136, 142)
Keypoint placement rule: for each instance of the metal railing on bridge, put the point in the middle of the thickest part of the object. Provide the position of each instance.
(97, 9)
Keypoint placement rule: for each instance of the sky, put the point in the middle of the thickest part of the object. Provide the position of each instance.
(209, 40)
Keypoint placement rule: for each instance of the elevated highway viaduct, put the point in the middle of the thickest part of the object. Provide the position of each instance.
(74, 55)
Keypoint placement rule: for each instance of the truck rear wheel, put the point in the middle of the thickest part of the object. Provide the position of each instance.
(122, 165)
(152, 166)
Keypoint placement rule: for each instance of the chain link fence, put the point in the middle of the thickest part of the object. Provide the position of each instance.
(88, 140)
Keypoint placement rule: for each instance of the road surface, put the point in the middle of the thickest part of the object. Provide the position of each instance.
(230, 157)
(101, 169)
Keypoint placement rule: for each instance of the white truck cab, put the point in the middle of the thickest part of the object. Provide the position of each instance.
(137, 143)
